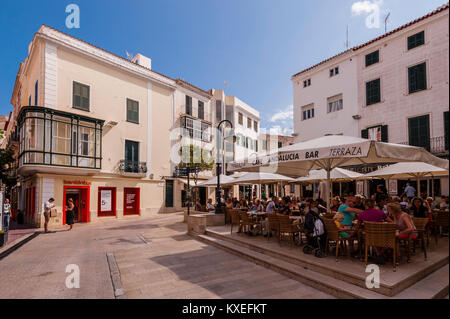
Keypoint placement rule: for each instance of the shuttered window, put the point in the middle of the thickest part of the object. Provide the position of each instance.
(201, 110)
(373, 94)
(80, 96)
(446, 129)
(416, 40)
(132, 111)
(372, 58)
(376, 133)
(419, 131)
(417, 78)
(188, 105)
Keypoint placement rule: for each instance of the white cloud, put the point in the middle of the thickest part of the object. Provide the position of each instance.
(366, 6)
(278, 130)
(287, 114)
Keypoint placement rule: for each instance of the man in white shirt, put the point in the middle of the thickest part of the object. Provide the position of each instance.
(210, 207)
(6, 211)
(272, 205)
(47, 209)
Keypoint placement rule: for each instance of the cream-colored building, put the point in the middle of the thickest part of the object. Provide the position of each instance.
(94, 127)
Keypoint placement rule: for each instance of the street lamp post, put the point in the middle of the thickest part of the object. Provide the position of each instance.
(218, 168)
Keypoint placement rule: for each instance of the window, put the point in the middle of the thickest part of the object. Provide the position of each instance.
(419, 131)
(229, 113)
(416, 40)
(417, 78)
(255, 126)
(80, 96)
(376, 133)
(188, 105)
(373, 94)
(218, 111)
(36, 93)
(280, 144)
(131, 156)
(306, 83)
(241, 118)
(249, 123)
(446, 130)
(372, 58)
(201, 110)
(307, 112)
(334, 71)
(132, 111)
(335, 103)
(264, 145)
(29, 100)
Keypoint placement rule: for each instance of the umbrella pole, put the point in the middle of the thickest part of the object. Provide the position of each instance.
(428, 187)
(418, 186)
(340, 189)
(432, 186)
(328, 189)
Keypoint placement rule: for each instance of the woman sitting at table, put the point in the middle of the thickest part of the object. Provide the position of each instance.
(405, 225)
(418, 209)
(257, 206)
(294, 206)
(336, 202)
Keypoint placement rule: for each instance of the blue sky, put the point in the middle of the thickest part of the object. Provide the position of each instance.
(253, 45)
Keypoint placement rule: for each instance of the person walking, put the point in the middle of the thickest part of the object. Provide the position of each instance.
(70, 213)
(48, 205)
(6, 214)
(410, 192)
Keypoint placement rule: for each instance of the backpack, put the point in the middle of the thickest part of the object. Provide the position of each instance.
(319, 228)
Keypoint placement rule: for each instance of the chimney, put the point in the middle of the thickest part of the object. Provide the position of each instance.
(143, 61)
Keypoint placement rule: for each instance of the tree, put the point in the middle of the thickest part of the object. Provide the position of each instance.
(194, 156)
(6, 160)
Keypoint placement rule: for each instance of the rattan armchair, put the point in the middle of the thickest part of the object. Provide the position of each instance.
(235, 220)
(440, 222)
(381, 235)
(287, 228)
(422, 230)
(334, 234)
(246, 222)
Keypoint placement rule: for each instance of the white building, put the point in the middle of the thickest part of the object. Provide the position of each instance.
(393, 88)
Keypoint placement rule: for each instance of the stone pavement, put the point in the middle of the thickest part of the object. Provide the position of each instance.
(155, 258)
(174, 265)
(17, 231)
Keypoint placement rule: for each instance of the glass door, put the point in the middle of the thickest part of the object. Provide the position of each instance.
(131, 156)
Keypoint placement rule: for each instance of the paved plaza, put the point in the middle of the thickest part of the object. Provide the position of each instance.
(155, 257)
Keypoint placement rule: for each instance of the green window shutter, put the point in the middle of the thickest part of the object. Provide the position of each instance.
(416, 40)
(365, 133)
(132, 111)
(384, 133)
(372, 58)
(188, 105)
(201, 110)
(419, 131)
(417, 78)
(446, 130)
(80, 98)
(373, 92)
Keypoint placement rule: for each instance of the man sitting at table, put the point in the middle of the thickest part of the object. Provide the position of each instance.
(284, 207)
(272, 205)
(257, 206)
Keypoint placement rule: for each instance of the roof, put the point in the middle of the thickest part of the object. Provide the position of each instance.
(193, 88)
(356, 48)
(122, 58)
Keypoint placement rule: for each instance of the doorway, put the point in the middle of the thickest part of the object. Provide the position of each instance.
(80, 197)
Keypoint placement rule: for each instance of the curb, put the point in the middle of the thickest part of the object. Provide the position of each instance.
(119, 292)
(9, 248)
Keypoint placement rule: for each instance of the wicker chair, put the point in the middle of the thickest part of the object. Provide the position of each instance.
(273, 224)
(235, 220)
(441, 221)
(422, 230)
(227, 212)
(333, 234)
(246, 222)
(381, 235)
(287, 228)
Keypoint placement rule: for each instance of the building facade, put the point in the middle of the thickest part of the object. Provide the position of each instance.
(95, 127)
(393, 88)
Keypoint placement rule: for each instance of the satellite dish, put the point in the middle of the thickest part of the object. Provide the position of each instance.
(129, 56)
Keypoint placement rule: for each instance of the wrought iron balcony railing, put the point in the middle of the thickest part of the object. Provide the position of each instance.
(434, 145)
(126, 166)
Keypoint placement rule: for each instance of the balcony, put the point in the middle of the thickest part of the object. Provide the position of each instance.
(132, 168)
(195, 129)
(436, 145)
(52, 141)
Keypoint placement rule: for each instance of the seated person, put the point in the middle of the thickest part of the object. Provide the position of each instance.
(229, 203)
(272, 205)
(444, 203)
(405, 226)
(371, 214)
(348, 211)
(210, 207)
(257, 206)
(359, 202)
(382, 201)
(284, 207)
(338, 218)
(294, 205)
(335, 203)
(418, 209)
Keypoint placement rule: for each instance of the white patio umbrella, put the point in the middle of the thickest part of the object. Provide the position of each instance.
(332, 151)
(409, 169)
(261, 178)
(337, 175)
(224, 180)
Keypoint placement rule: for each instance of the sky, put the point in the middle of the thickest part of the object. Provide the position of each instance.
(249, 48)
